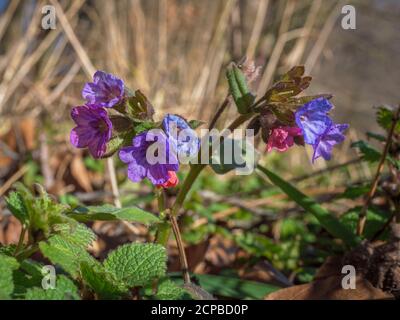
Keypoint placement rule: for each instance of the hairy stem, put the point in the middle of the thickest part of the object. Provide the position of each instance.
(363, 214)
(181, 249)
(20, 241)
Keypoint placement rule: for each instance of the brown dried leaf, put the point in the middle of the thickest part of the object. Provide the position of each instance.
(80, 173)
(330, 288)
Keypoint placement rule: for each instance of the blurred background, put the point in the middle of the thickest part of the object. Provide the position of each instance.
(176, 52)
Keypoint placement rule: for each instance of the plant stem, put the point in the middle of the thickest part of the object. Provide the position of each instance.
(181, 250)
(195, 170)
(24, 254)
(113, 182)
(20, 240)
(363, 214)
(219, 112)
(163, 229)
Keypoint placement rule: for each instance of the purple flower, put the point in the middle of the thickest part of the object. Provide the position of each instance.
(93, 130)
(150, 156)
(313, 120)
(181, 135)
(325, 142)
(106, 90)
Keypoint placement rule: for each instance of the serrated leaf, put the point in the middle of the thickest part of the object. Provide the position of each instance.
(7, 250)
(15, 203)
(103, 283)
(65, 290)
(239, 89)
(368, 152)
(137, 264)
(29, 275)
(77, 234)
(108, 213)
(384, 117)
(169, 290)
(325, 218)
(7, 267)
(66, 254)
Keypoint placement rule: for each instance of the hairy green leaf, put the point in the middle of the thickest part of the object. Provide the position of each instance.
(7, 267)
(66, 254)
(238, 88)
(137, 264)
(15, 203)
(103, 283)
(65, 289)
(169, 290)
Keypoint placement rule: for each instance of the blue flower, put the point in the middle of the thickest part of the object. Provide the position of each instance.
(141, 166)
(313, 120)
(318, 129)
(181, 135)
(324, 144)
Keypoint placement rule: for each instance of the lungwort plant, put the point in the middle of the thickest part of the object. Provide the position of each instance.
(117, 120)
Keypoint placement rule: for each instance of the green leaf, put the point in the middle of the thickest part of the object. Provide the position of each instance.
(137, 264)
(7, 250)
(29, 275)
(325, 218)
(369, 153)
(238, 88)
(384, 117)
(224, 160)
(232, 287)
(107, 213)
(7, 267)
(15, 203)
(66, 254)
(169, 290)
(77, 234)
(139, 107)
(376, 219)
(376, 136)
(103, 283)
(115, 144)
(65, 290)
(354, 192)
(194, 124)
